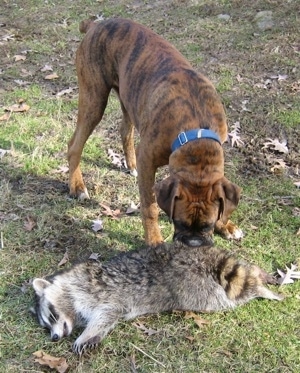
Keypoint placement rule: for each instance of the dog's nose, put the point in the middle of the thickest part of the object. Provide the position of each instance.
(195, 241)
(55, 338)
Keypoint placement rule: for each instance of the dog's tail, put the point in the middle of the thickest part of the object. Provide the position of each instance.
(85, 25)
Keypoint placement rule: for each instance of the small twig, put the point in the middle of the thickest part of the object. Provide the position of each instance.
(150, 357)
(1, 241)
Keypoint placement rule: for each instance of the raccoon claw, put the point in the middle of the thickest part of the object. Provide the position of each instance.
(91, 343)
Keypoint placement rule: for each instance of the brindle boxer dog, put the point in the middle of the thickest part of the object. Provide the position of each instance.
(179, 117)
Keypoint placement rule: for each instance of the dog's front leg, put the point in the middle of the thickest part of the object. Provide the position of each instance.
(149, 210)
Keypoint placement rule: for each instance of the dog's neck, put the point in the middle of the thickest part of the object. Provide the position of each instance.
(200, 161)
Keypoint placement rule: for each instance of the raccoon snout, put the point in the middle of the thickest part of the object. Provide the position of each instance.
(55, 338)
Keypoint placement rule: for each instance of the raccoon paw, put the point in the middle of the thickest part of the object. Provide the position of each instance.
(80, 347)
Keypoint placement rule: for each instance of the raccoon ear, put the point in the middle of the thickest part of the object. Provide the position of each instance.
(39, 285)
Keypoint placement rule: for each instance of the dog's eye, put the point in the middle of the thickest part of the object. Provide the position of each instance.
(180, 225)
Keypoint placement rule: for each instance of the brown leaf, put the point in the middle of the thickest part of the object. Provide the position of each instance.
(18, 108)
(298, 233)
(19, 57)
(276, 145)
(146, 330)
(114, 214)
(197, 319)
(57, 363)
(51, 76)
(190, 338)
(5, 116)
(61, 170)
(296, 211)
(64, 92)
(47, 68)
(64, 260)
(29, 223)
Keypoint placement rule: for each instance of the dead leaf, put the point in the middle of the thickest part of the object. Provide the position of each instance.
(289, 276)
(47, 68)
(19, 57)
(279, 166)
(146, 330)
(115, 158)
(18, 108)
(97, 225)
(276, 145)
(244, 108)
(234, 135)
(21, 83)
(57, 363)
(132, 208)
(94, 256)
(27, 284)
(190, 338)
(5, 116)
(29, 223)
(64, 260)
(197, 319)
(51, 76)
(64, 92)
(25, 73)
(114, 214)
(60, 170)
(296, 211)
(298, 233)
(235, 139)
(279, 77)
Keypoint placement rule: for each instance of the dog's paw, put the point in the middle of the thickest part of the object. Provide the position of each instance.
(229, 231)
(133, 172)
(237, 234)
(80, 346)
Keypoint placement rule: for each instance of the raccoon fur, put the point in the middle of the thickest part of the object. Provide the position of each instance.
(150, 280)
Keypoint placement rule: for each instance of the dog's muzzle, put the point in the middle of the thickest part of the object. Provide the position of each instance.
(194, 241)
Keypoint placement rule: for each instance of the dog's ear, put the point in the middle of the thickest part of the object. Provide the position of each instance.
(229, 196)
(166, 192)
(39, 285)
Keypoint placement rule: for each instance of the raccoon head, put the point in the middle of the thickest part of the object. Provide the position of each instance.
(49, 309)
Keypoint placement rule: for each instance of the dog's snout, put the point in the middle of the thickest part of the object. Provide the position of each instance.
(55, 337)
(194, 241)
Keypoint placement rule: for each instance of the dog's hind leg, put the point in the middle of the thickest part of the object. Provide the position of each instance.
(127, 135)
(93, 96)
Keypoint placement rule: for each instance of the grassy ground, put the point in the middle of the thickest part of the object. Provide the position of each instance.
(257, 74)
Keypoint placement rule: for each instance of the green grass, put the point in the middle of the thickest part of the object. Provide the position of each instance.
(289, 118)
(261, 336)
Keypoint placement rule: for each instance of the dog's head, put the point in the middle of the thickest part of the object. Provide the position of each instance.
(194, 209)
(50, 310)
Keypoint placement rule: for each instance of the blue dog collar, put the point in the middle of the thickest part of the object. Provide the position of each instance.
(200, 133)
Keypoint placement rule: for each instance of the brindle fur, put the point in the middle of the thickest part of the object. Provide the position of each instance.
(161, 95)
(167, 277)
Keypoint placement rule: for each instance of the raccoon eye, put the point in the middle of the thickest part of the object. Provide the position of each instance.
(53, 316)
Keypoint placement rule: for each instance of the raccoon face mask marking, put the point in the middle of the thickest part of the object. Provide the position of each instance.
(48, 316)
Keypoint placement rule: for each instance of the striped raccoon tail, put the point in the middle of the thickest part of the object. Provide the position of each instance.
(243, 281)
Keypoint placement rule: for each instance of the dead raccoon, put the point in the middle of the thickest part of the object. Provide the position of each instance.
(138, 282)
